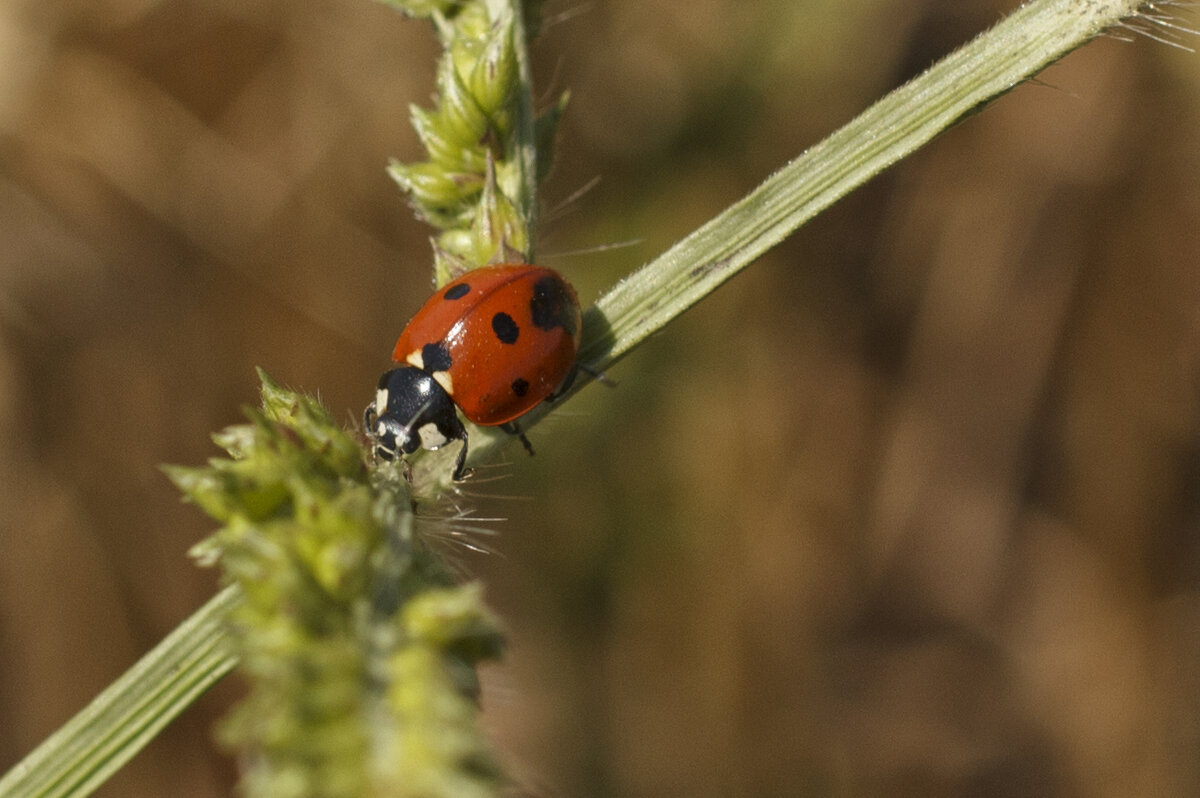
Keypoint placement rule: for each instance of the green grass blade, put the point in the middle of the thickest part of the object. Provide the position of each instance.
(130, 712)
(1034, 36)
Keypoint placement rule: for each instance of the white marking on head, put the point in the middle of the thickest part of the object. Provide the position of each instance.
(443, 379)
(381, 400)
(431, 436)
(414, 359)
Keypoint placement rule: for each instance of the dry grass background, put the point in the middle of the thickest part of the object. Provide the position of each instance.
(909, 508)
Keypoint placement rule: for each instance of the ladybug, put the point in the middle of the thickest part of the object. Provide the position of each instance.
(495, 343)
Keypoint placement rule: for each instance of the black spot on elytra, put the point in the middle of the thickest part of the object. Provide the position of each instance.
(457, 292)
(505, 328)
(436, 357)
(551, 304)
(520, 387)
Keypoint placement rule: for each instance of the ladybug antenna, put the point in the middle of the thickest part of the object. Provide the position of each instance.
(370, 419)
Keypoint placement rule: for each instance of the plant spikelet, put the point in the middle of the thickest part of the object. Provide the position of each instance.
(476, 185)
(359, 651)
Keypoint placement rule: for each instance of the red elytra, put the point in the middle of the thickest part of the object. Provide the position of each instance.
(499, 339)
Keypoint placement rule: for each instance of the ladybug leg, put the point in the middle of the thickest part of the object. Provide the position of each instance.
(566, 384)
(369, 419)
(569, 380)
(598, 376)
(460, 473)
(512, 429)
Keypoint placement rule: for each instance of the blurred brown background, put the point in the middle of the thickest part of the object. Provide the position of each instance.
(908, 508)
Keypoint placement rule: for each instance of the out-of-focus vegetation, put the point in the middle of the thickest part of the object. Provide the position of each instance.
(909, 508)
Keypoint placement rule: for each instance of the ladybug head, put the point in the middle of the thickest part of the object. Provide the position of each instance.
(411, 411)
